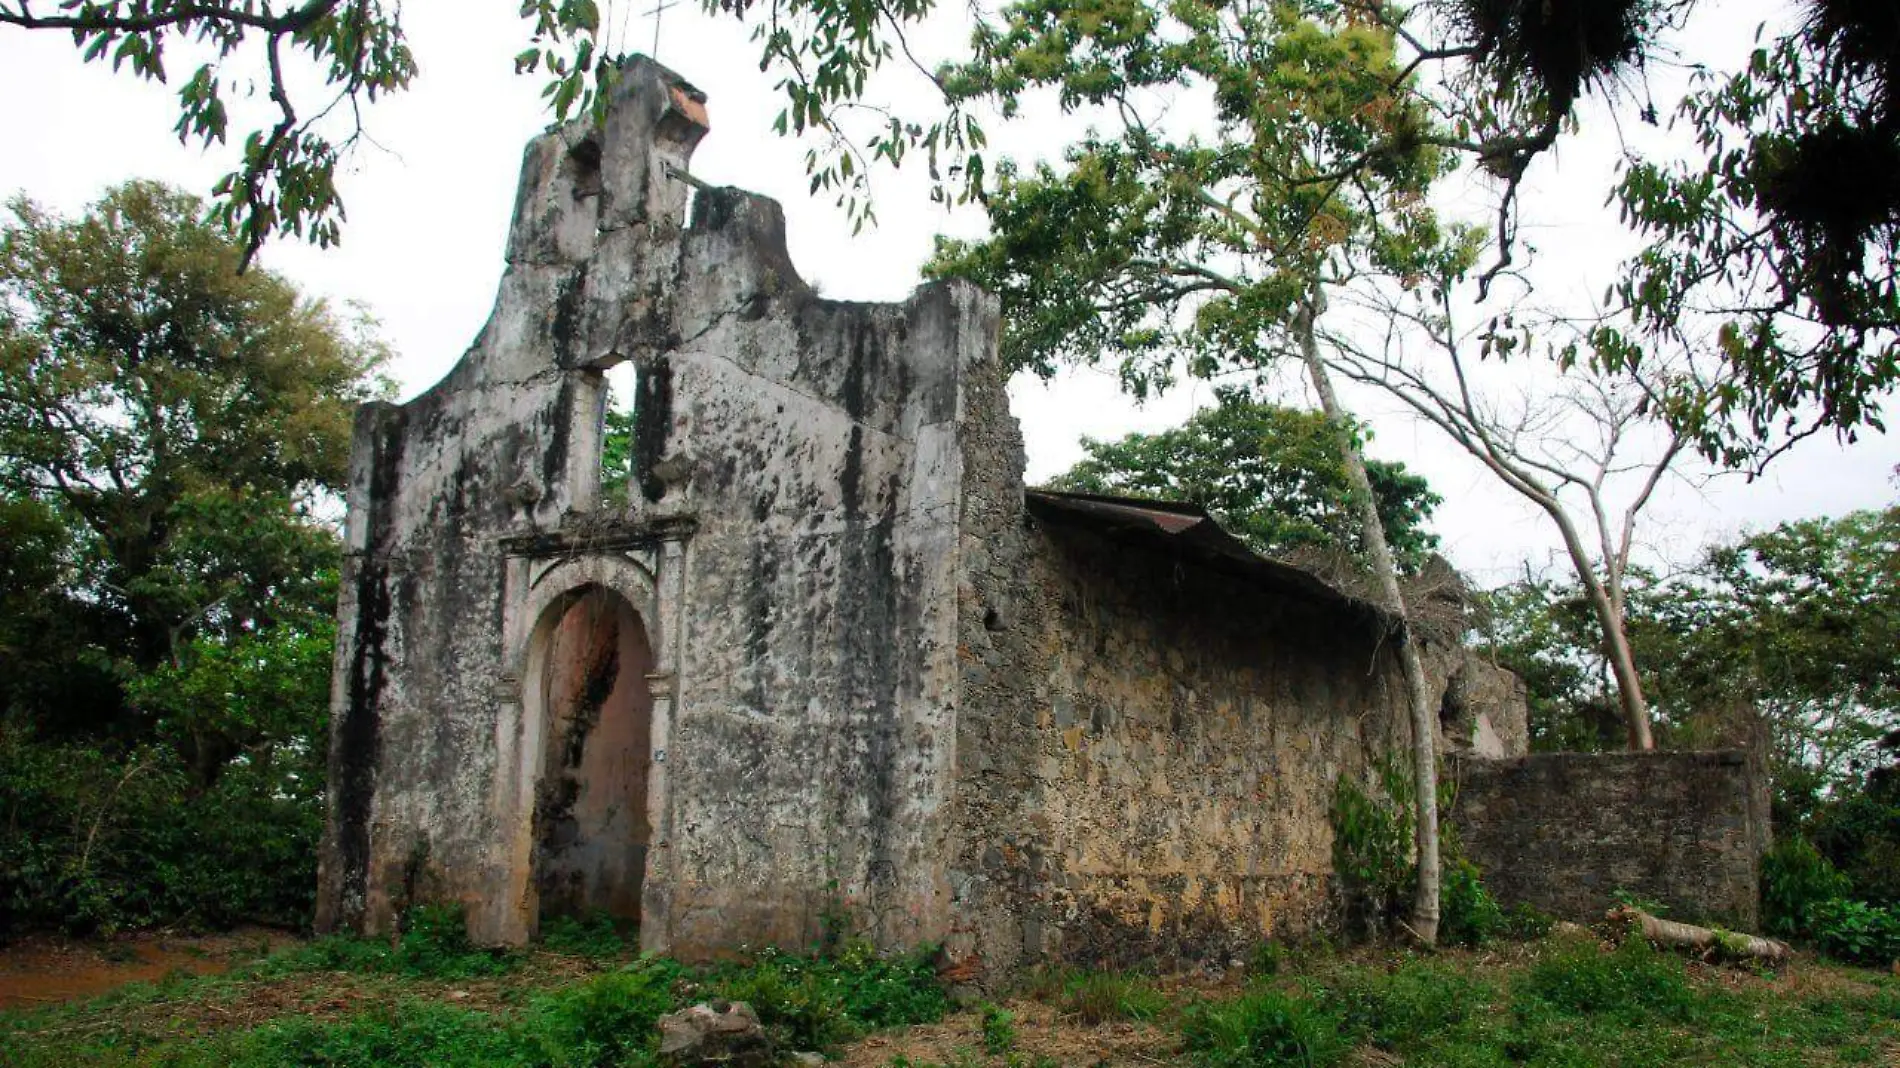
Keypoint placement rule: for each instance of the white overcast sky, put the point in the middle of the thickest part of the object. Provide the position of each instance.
(428, 211)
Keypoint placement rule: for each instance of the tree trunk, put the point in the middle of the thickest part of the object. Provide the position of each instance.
(1385, 570)
(1706, 942)
(1616, 642)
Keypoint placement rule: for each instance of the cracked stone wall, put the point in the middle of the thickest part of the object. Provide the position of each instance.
(790, 553)
(1146, 748)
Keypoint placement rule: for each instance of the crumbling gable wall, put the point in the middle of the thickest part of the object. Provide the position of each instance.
(816, 442)
(790, 555)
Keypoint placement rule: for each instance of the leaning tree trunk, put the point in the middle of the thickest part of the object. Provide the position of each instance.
(1417, 691)
(1616, 642)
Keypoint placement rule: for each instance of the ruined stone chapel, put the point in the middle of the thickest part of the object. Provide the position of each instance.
(831, 655)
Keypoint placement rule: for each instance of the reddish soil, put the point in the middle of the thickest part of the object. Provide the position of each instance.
(40, 971)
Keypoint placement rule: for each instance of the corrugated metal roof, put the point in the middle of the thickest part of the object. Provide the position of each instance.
(1187, 530)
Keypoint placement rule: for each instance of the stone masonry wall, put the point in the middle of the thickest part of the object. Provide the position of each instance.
(790, 551)
(1147, 748)
(814, 443)
(1565, 831)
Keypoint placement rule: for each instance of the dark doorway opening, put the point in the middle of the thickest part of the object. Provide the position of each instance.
(591, 821)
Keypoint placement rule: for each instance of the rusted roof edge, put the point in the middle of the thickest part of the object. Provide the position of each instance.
(1188, 529)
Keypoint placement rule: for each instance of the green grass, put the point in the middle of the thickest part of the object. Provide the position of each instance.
(421, 1003)
(1096, 997)
(1572, 1005)
(431, 1000)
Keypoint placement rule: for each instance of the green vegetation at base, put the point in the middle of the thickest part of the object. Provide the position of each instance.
(422, 1002)
(1569, 1004)
(1095, 997)
(420, 1013)
(1372, 854)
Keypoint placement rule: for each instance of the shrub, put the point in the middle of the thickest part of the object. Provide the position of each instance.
(1261, 1029)
(610, 1020)
(999, 1030)
(888, 991)
(97, 839)
(1373, 856)
(1372, 847)
(1267, 958)
(1467, 913)
(435, 945)
(815, 1003)
(595, 936)
(1098, 997)
(1526, 923)
(1417, 999)
(1856, 932)
(1795, 877)
(799, 1007)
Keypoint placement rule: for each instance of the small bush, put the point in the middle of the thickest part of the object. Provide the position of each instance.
(888, 990)
(1417, 999)
(1267, 958)
(1098, 997)
(816, 1003)
(1855, 932)
(1261, 1029)
(435, 945)
(1795, 877)
(1467, 913)
(1372, 846)
(611, 1020)
(1526, 923)
(595, 936)
(1634, 978)
(999, 1030)
(799, 1008)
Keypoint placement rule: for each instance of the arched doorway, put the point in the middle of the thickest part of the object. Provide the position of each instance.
(587, 681)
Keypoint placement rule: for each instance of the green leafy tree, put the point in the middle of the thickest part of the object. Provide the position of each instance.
(1543, 632)
(1757, 248)
(172, 434)
(183, 421)
(1795, 627)
(1271, 474)
(616, 456)
(1797, 267)
(1154, 245)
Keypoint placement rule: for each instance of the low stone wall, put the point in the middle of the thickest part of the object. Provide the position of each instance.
(1565, 831)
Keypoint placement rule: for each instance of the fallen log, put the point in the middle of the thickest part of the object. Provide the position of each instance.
(1709, 943)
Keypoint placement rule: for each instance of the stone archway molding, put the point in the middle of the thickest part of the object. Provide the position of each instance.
(539, 591)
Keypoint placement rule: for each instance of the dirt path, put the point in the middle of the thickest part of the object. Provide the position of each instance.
(44, 970)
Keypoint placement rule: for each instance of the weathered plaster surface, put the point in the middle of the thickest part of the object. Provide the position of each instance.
(790, 554)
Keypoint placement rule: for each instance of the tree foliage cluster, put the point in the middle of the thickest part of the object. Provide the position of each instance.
(1753, 249)
(172, 434)
(1272, 475)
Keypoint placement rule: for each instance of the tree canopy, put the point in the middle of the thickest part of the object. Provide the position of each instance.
(1270, 474)
(172, 438)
